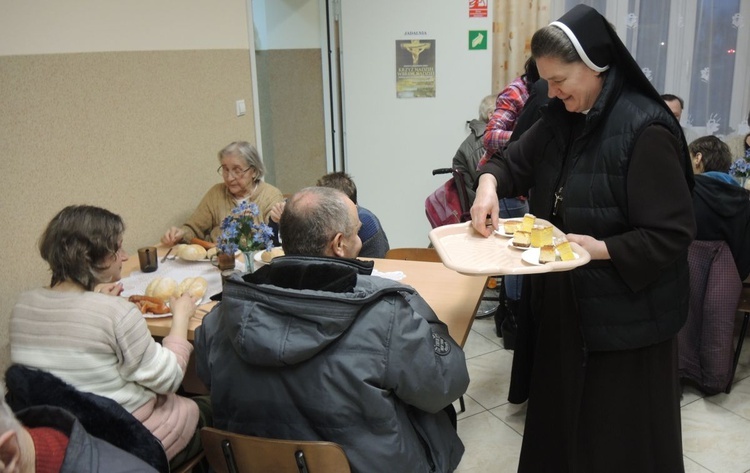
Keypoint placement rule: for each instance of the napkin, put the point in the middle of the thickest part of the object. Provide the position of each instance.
(394, 275)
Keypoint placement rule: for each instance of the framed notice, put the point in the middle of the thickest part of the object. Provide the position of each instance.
(415, 68)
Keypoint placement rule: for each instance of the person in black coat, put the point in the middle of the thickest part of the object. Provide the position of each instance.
(721, 205)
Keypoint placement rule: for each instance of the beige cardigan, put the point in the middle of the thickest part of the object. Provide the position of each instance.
(218, 203)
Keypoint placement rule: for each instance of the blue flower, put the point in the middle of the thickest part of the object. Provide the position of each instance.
(242, 230)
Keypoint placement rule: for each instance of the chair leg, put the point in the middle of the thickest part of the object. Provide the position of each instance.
(743, 331)
(461, 403)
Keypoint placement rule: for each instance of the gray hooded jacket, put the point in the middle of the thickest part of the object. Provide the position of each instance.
(314, 349)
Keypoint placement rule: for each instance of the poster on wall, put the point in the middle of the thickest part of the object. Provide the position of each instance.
(415, 68)
(477, 8)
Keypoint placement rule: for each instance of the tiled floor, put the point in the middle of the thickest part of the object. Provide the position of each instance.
(715, 429)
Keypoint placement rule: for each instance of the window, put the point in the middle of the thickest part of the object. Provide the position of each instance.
(702, 56)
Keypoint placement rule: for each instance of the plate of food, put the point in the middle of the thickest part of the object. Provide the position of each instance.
(264, 257)
(509, 227)
(549, 254)
(155, 302)
(523, 243)
(193, 253)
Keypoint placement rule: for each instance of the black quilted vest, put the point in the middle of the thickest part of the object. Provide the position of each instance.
(613, 317)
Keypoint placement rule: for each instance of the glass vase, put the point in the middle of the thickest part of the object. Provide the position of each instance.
(249, 261)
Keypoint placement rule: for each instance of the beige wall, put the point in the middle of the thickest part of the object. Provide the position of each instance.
(291, 116)
(125, 117)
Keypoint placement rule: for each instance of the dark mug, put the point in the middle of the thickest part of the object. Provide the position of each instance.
(148, 259)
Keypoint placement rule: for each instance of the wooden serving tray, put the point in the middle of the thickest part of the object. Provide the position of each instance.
(463, 250)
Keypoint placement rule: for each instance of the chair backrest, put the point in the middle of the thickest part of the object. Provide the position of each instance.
(414, 254)
(236, 453)
(705, 341)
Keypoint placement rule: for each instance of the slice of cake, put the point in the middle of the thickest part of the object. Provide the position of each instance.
(528, 222)
(547, 254)
(566, 252)
(541, 235)
(522, 239)
(510, 226)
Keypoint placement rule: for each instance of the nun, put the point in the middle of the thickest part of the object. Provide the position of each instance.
(607, 164)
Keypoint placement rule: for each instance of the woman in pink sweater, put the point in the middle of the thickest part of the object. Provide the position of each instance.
(80, 330)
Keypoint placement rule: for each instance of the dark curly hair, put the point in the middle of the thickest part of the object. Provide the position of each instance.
(78, 242)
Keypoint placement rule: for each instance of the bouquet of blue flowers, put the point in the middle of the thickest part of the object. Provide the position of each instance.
(242, 230)
(740, 168)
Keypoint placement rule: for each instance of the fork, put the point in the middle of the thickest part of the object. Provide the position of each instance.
(165, 256)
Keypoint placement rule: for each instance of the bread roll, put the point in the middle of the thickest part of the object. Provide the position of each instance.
(161, 288)
(196, 287)
(192, 253)
(211, 252)
(267, 256)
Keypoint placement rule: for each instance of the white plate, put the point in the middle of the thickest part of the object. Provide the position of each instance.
(149, 315)
(531, 256)
(511, 245)
(501, 231)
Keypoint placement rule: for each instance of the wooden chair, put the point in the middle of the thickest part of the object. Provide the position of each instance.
(236, 453)
(188, 466)
(420, 254)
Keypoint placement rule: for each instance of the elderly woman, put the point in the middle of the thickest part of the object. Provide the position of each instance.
(242, 171)
(609, 166)
(80, 331)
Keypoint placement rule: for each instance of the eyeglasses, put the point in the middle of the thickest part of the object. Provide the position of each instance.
(235, 173)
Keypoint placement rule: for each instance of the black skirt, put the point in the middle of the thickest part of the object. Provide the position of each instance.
(615, 411)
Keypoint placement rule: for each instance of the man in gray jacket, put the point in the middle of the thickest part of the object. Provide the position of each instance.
(313, 347)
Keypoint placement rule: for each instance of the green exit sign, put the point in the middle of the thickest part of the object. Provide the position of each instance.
(477, 39)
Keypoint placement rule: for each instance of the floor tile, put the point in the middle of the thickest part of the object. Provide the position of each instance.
(737, 401)
(690, 394)
(491, 446)
(477, 345)
(692, 467)
(513, 415)
(486, 327)
(472, 407)
(715, 438)
(490, 378)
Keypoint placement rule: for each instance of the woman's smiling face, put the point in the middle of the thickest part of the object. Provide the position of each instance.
(574, 83)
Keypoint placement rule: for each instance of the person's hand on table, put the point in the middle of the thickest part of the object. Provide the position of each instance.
(486, 203)
(173, 236)
(183, 308)
(110, 288)
(596, 248)
(276, 211)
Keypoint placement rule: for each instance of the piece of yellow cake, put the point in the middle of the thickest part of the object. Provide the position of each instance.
(566, 252)
(547, 254)
(510, 226)
(522, 239)
(528, 222)
(541, 235)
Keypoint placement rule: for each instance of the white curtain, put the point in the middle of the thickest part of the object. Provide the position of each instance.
(695, 49)
(513, 24)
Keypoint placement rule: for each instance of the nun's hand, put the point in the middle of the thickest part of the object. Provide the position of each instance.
(596, 248)
(486, 208)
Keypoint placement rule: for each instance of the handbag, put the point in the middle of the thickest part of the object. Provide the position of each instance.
(449, 203)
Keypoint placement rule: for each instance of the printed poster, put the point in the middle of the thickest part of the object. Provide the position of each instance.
(477, 8)
(415, 68)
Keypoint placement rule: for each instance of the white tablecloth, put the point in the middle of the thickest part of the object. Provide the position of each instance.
(178, 270)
